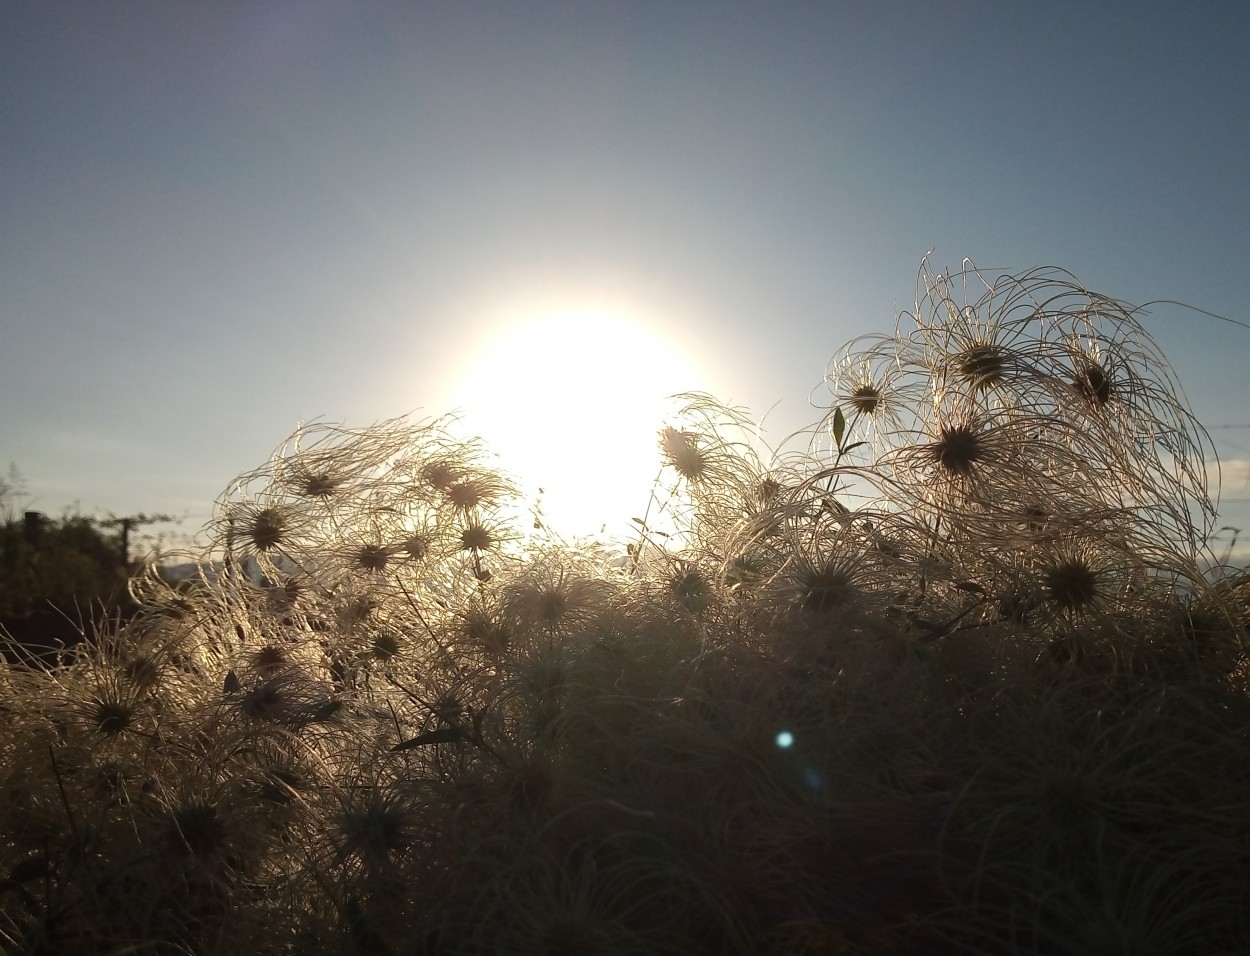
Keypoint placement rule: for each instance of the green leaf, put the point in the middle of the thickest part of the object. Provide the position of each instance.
(852, 446)
(839, 426)
(444, 735)
(327, 710)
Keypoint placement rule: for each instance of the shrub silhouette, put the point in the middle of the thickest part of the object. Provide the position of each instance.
(59, 579)
(952, 680)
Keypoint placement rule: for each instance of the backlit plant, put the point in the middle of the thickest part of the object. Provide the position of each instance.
(954, 678)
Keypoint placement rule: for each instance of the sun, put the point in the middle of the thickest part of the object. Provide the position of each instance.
(572, 399)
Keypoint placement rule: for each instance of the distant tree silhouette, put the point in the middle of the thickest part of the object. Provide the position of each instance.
(59, 578)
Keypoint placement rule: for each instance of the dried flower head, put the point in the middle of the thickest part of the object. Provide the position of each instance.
(958, 447)
(372, 557)
(286, 595)
(1093, 383)
(1071, 583)
(824, 588)
(440, 473)
(318, 477)
(550, 597)
(386, 646)
(682, 453)
(143, 670)
(267, 528)
(981, 365)
(767, 489)
(866, 379)
(375, 825)
(691, 588)
(111, 715)
(476, 536)
(417, 546)
(865, 398)
(746, 568)
(1078, 579)
(484, 628)
(270, 660)
(290, 698)
(477, 489)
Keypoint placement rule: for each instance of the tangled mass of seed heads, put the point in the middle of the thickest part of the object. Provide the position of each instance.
(393, 713)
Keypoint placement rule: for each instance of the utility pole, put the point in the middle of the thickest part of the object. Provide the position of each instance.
(126, 524)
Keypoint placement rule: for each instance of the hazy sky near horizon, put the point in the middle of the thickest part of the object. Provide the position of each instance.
(222, 218)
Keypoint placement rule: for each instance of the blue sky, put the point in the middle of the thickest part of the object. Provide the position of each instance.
(220, 219)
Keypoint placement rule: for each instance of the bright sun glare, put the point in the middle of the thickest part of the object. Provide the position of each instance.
(572, 400)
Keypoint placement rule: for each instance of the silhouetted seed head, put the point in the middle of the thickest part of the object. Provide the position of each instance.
(439, 475)
(1094, 384)
(270, 660)
(824, 590)
(547, 679)
(111, 717)
(691, 589)
(865, 398)
(982, 366)
(745, 569)
(550, 605)
(417, 547)
(476, 537)
(319, 485)
(375, 831)
(448, 707)
(487, 632)
(386, 646)
(267, 529)
(197, 828)
(469, 493)
(267, 701)
(142, 671)
(681, 450)
(372, 557)
(1071, 584)
(958, 449)
(766, 490)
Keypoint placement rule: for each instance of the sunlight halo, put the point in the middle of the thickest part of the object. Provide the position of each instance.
(572, 399)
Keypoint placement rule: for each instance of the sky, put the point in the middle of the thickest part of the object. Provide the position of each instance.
(221, 219)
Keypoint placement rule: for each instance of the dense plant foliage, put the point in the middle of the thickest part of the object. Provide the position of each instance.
(59, 578)
(957, 679)
(58, 562)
